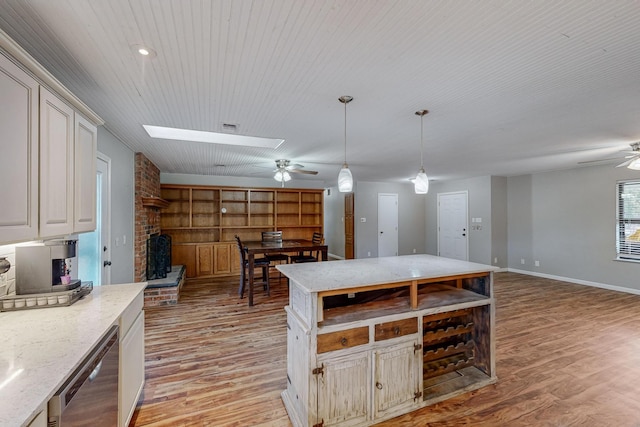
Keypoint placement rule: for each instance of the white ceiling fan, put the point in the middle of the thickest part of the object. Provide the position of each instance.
(284, 169)
(633, 160)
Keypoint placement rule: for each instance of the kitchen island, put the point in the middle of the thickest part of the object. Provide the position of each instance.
(371, 339)
(42, 347)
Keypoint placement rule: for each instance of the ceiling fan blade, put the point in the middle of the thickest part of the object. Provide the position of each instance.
(303, 171)
(627, 163)
(295, 166)
(610, 159)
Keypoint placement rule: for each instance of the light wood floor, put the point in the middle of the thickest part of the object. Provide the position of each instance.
(567, 355)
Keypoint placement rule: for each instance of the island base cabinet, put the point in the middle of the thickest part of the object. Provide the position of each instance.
(131, 369)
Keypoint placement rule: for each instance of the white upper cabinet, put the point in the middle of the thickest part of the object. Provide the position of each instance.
(48, 144)
(18, 153)
(56, 166)
(86, 136)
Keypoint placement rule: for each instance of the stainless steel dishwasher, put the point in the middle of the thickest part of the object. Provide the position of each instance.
(89, 398)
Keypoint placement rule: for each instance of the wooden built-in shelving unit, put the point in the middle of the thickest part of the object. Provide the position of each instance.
(203, 220)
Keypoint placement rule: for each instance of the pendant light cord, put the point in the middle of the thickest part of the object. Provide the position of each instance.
(345, 132)
(421, 141)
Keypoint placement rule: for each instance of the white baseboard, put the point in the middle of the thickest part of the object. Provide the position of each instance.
(576, 281)
(333, 256)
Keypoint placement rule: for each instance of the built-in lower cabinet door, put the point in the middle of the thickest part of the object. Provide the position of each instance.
(396, 378)
(343, 390)
(131, 370)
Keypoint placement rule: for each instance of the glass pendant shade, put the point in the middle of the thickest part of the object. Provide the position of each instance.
(282, 176)
(635, 165)
(421, 182)
(345, 180)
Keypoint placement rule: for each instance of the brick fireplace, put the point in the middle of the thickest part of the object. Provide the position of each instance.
(147, 218)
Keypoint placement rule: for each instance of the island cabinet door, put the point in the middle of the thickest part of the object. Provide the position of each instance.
(343, 390)
(397, 373)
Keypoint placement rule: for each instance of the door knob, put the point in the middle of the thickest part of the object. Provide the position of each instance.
(106, 263)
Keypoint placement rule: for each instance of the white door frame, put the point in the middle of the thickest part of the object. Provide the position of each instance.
(466, 219)
(106, 223)
(392, 233)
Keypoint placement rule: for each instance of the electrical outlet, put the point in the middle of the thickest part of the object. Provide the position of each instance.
(368, 253)
(363, 219)
(522, 261)
(414, 250)
(537, 263)
(124, 239)
(495, 260)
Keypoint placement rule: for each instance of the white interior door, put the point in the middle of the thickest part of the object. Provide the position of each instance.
(387, 224)
(452, 225)
(94, 258)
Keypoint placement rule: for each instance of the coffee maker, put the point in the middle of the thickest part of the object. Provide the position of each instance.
(42, 268)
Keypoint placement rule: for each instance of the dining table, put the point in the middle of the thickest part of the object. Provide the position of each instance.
(258, 247)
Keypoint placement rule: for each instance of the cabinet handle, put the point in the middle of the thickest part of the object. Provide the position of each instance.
(396, 330)
(378, 386)
(343, 341)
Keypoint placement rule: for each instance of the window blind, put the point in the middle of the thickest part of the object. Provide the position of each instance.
(628, 220)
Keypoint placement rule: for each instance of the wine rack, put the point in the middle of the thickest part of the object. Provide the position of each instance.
(448, 342)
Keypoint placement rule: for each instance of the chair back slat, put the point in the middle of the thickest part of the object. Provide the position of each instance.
(317, 238)
(272, 236)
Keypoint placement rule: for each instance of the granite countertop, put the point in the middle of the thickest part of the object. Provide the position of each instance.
(41, 347)
(330, 275)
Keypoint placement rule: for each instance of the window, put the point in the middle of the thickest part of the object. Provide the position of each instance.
(628, 221)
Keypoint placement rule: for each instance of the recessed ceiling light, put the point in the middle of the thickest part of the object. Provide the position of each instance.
(211, 137)
(144, 50)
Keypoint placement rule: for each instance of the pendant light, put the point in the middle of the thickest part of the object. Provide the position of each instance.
(345, 179)
(422, 181)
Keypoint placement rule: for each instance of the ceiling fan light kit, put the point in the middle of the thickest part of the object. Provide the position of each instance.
(421, 182)
(345, 178)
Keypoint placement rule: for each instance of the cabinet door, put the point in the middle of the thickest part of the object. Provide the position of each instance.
(343, 390)
(221, 258)
(86, 134)
(19, 158)
(204, 260)
(397, 372)
(56, 166)
(131, 370)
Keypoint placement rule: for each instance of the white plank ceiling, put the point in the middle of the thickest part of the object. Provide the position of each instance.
(513, 87)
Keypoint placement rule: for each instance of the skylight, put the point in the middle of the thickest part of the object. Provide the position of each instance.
(211, 137)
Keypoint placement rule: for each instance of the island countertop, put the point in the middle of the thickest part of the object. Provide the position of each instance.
(41, 347)
(353, 273)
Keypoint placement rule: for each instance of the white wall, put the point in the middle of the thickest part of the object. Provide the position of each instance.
(566, 221)
(411, 218)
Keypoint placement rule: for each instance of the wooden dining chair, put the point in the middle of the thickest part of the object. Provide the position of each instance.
(262, 263)
(274, 259)
(311, 256)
